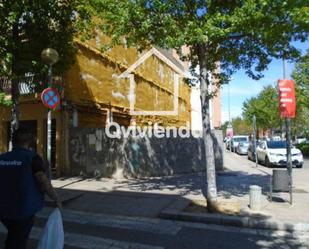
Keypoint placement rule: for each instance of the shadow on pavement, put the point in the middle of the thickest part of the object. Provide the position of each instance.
(142, 204)
(237, 183)
(150, 205)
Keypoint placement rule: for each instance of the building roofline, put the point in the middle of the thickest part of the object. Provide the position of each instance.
(157, 53)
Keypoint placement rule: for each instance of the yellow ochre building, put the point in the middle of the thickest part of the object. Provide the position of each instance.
(102, 87)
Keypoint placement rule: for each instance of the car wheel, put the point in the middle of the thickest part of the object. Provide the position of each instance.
(299, 166)
(267, 162)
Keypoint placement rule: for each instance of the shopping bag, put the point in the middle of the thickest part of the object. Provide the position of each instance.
(53, 235)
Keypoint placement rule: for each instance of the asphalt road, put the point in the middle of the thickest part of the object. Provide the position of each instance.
(143, 233)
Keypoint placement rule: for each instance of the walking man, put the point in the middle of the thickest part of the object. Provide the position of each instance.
(23, 182)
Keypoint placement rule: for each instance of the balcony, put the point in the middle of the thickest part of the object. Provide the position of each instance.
(26, 84)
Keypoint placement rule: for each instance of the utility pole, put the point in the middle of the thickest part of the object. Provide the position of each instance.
(288, 141)
(228, 94)
(229, 107)
(254, 140)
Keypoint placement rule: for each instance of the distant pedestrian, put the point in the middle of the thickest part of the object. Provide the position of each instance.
(23, 182)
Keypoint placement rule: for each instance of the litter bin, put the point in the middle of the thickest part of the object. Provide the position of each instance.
(255, 197)
(281, 180)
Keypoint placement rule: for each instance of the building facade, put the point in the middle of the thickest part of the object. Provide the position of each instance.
(120, 85)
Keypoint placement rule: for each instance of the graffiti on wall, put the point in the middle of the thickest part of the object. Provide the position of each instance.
(93, 153)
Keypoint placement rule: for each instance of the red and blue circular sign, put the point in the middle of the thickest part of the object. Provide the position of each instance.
(50, 98)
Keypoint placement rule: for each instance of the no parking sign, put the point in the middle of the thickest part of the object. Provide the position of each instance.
(50, 98)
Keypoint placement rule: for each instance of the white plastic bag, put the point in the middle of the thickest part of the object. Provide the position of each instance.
(53, 235)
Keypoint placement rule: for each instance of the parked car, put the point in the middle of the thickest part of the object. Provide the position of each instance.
(228, 143)
(251, 150)
(273, 153)
(237, 139)
(242, 148)
(275, 138)
(301, 140)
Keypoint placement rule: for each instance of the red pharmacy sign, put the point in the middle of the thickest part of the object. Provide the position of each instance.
(287, 101)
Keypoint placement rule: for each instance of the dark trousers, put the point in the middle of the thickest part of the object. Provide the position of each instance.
(18, 232)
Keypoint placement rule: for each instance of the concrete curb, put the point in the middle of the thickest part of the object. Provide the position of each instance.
(173, 213)
(237, 221)
(64, 196)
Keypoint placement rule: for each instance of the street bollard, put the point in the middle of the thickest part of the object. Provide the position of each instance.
(255, 197)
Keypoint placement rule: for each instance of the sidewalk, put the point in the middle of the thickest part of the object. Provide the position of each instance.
(233, 185)
(247, 174)
(167, 197)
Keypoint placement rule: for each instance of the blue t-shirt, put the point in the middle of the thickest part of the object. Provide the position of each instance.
(20, 196)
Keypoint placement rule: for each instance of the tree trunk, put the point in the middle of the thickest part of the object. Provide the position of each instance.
(15, 105)
(207, 135)
(15, 86)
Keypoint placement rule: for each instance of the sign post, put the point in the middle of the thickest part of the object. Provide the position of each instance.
(51, 99)
(49, 56)
(254, 140)
(287, 107)
(229, 134)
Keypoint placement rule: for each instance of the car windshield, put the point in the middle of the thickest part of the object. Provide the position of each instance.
(240, 139)
(276, 144)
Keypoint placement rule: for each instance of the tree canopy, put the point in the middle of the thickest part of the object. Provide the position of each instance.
(240, 126)
(239, 34)
(28, 27)
(300, 75)
(265, 108)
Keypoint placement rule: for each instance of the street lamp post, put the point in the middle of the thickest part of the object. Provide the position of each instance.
(49, 56)
(288, 141)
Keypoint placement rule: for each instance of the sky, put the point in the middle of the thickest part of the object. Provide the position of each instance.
(242, 87)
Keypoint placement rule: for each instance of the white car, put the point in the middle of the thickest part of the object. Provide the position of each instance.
(273, 153)
(237, 139)
(242, 148)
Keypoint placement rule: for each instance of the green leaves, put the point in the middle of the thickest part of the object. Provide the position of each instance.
(4, 101)
(240, 126)
(301, 78)
(239, 34)
(265, 105)
(27, 27)
(265, 108)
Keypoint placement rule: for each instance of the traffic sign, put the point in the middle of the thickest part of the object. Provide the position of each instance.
(50, 98)
(287, 101)
(229, 130)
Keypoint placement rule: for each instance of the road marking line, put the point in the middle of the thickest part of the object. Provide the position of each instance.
(90, 242)
(156, 226)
